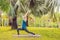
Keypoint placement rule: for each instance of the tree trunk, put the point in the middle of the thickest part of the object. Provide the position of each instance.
(14, 23)
(14, 18)
(32, 4)
(27, 21)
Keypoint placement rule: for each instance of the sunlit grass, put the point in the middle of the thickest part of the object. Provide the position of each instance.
(46, 33)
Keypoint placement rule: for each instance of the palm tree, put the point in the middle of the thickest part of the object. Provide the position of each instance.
(13, 14)
(38, 7)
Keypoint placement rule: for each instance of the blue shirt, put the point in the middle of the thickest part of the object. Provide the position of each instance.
(23, 24)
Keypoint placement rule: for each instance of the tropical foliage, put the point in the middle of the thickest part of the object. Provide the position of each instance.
(4, 5)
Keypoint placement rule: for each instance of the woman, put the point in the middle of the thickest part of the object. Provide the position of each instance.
(24, 26)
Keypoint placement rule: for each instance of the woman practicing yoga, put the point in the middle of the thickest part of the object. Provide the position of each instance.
(24, 26)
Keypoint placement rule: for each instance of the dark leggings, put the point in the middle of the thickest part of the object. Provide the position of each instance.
(24, 30)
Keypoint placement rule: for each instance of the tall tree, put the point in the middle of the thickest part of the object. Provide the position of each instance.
(13, 14)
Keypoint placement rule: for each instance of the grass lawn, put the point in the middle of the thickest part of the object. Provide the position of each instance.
(46, 34)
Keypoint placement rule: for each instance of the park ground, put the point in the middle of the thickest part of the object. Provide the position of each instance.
(45, 33)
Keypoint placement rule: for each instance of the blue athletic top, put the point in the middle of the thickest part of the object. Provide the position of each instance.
(23, 24)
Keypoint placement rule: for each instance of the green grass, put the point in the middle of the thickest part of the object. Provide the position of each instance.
(46, 34)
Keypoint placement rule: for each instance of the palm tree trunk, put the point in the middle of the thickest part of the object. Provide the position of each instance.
(14, 18)
(32, 4)
(27, 21)
(14, 23)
